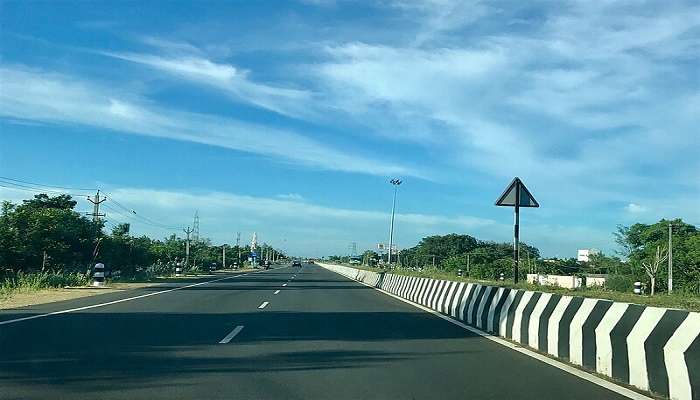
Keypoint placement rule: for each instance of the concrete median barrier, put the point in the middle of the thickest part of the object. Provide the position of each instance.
(651, 348)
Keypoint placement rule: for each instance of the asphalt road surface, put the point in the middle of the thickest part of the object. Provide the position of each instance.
(321, 336)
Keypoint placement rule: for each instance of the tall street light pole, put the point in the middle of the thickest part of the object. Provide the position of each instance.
(395, 183)
(670, 258)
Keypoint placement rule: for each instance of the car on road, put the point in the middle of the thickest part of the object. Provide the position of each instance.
(296, 263)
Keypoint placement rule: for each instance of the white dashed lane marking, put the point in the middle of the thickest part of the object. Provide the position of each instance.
(263, 305)
(232, 334)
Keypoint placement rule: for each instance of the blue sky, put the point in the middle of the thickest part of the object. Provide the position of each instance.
(289, 118)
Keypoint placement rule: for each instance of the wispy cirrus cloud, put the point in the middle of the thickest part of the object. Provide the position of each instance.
(32, 95)
(290, 196)
(187, 63)
(564, 95)
(304, 222)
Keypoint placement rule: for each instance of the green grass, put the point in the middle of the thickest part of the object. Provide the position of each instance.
(168, 275)
(32, 281)
(682, 301)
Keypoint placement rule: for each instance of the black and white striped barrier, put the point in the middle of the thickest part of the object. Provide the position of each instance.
(178, 269)
(651, 348)
(638, 288)
(98, 275)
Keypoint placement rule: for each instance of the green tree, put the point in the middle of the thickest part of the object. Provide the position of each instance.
(46, 225)
(640, 242)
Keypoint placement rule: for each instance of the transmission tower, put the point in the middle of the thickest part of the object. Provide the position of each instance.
(195, 226)
(352, 249)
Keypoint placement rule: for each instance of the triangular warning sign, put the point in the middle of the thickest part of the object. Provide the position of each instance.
(517, 190)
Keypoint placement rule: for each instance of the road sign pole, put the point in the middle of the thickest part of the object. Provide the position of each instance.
(516, 195)
(516, 236)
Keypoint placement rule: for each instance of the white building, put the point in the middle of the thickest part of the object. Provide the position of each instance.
(585, 254)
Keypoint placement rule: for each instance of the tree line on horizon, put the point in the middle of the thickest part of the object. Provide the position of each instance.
(47, 234)
(639, 247)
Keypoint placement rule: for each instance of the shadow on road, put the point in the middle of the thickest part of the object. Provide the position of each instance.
(128, 347)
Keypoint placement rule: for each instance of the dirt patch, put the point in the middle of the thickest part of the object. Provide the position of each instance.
(29, 298)
(43, 296)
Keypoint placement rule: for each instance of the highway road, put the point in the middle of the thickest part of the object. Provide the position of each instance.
(286, 333)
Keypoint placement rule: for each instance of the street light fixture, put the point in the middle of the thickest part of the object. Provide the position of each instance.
(395, 183)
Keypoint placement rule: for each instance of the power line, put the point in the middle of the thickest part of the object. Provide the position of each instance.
(48, 186)
(140, 218)
(17, 186)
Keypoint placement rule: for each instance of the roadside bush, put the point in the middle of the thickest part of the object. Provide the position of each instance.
(620, 283)
(161, 269)
(21, 281)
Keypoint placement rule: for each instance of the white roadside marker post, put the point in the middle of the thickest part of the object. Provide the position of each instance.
(98, 275)
(638, 288)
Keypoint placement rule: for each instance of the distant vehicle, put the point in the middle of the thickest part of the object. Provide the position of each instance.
(296, 263)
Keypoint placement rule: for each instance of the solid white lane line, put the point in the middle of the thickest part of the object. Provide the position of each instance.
(263, 305)
(12, 321)
(276, 291)
(284, 284)
(631, 394)
(232, 334)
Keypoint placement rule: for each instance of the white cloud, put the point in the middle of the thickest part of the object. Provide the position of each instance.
(314, 229)
(635, 208)
(290, 196)
(171, 201)
(307, 227)
(581, 100)
(41, 96)
(438, 17)
(233, 81)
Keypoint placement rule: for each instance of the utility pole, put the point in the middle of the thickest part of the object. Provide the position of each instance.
(223, 255)
(238, 245)
(395, 183)
(96, 207)
(187, 245)
(529, 268)
(670, 258)
(467, 264)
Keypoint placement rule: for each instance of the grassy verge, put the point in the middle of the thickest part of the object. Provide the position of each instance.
(681, 301)
(168, 278)
(22, 289)
(23, 282)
